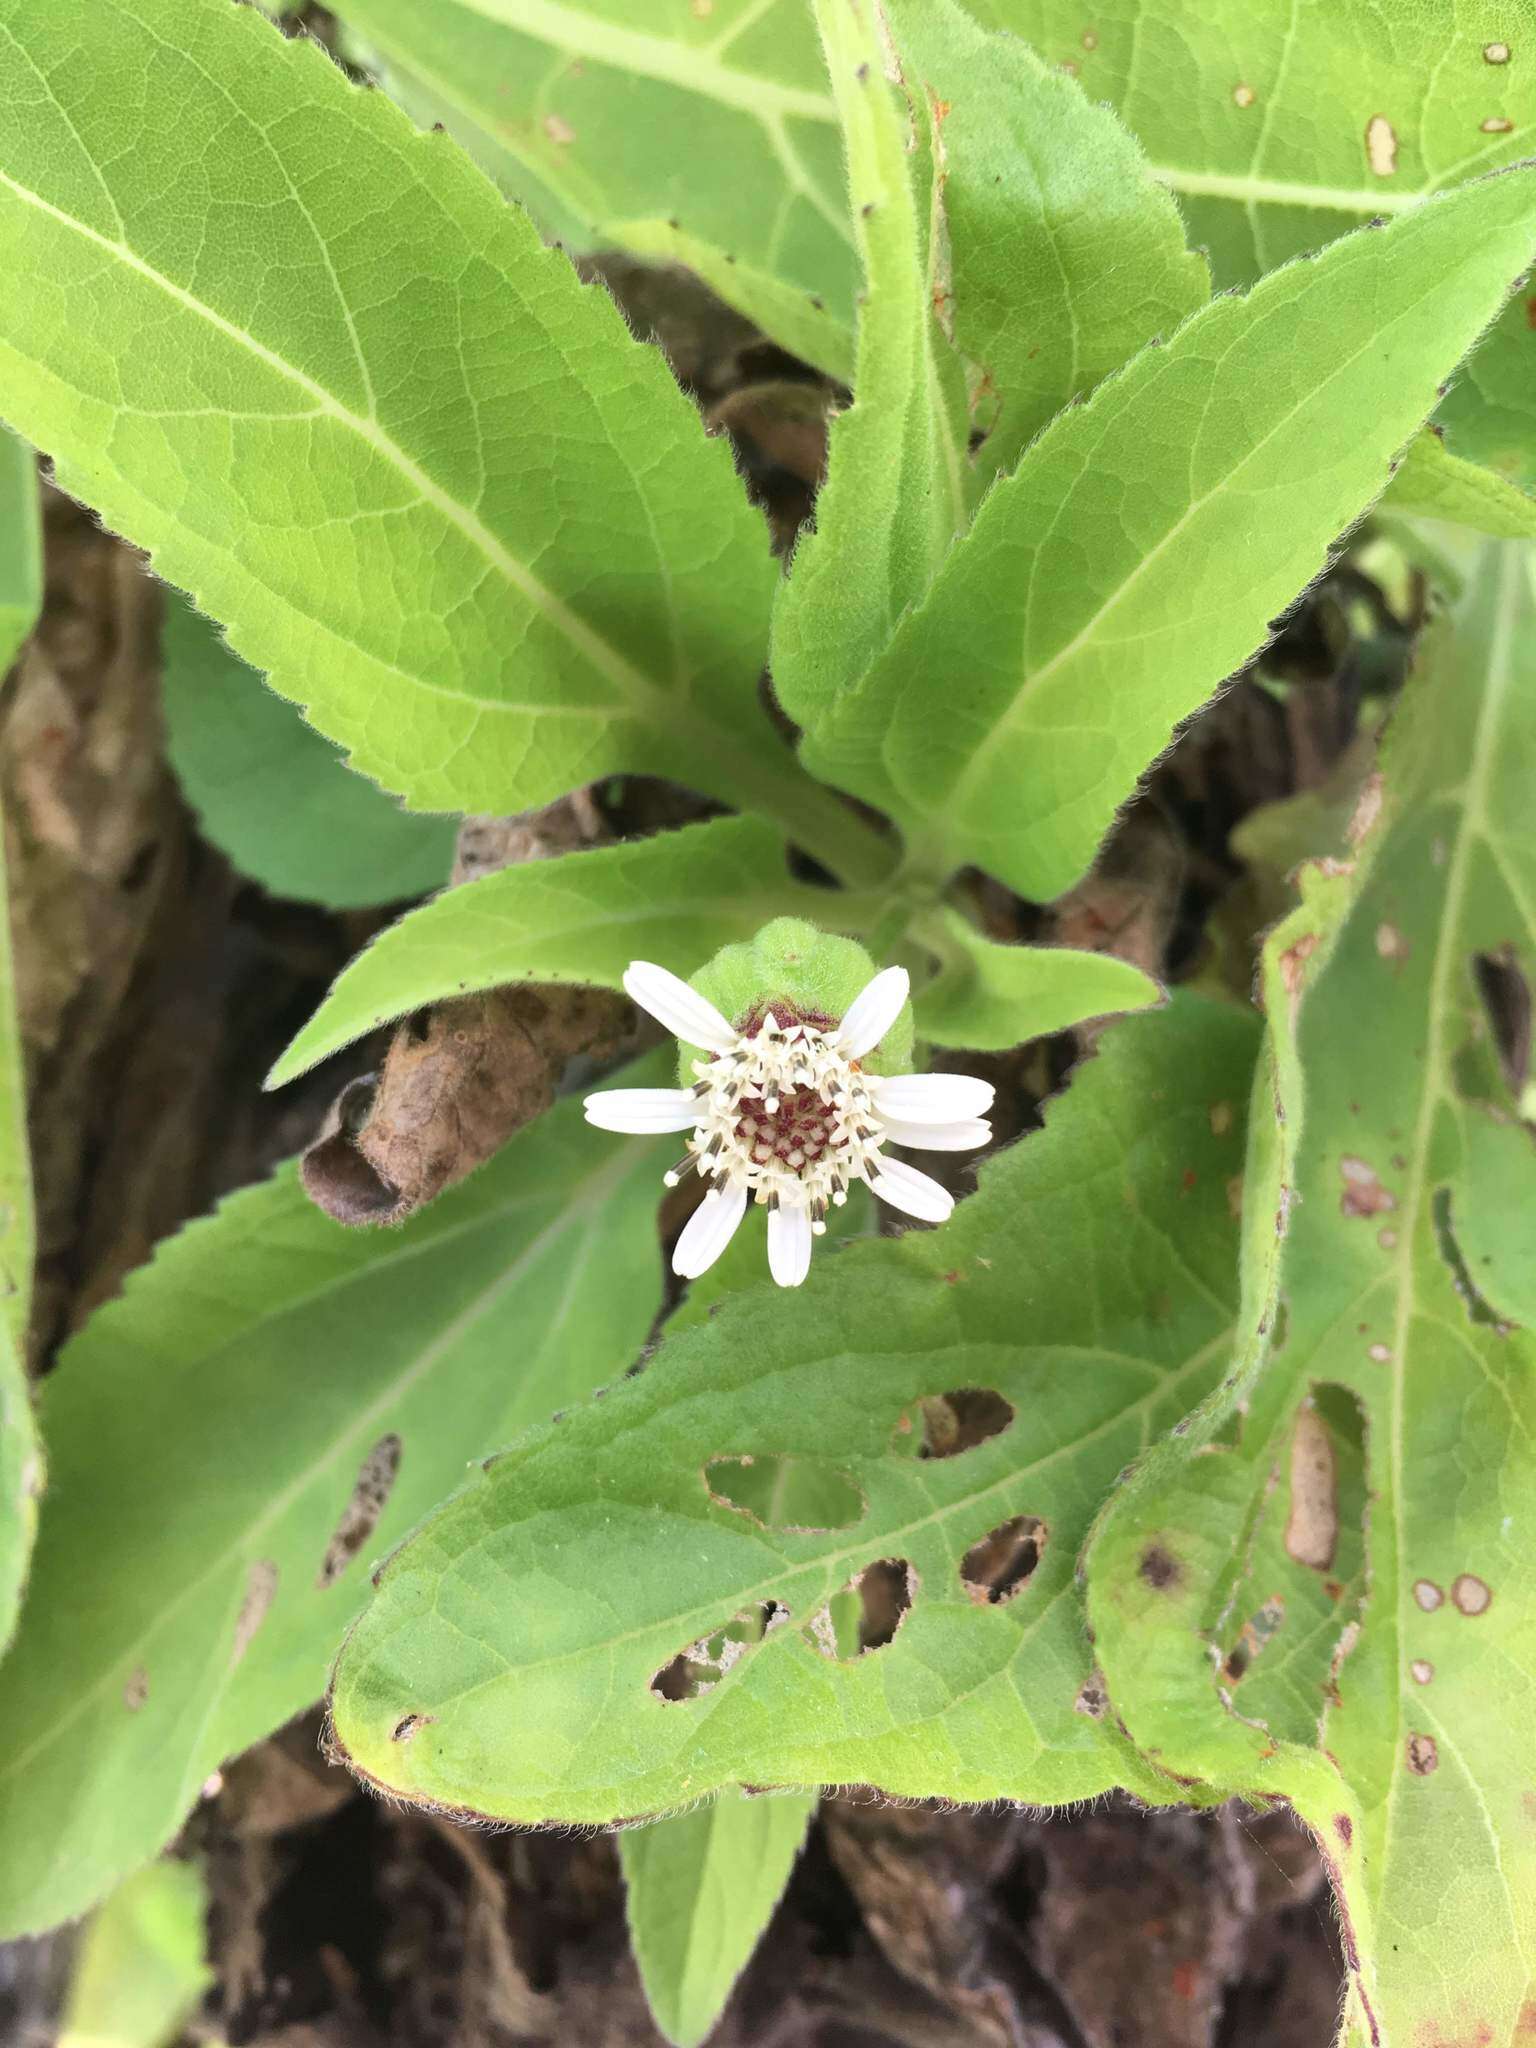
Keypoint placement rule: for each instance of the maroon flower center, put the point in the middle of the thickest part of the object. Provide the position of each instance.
(797, 1134)
(785, 1014)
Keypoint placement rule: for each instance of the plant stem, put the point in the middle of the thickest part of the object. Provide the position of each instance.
(768, 777)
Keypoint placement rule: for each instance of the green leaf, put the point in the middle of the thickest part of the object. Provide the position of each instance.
(1396, 1406)
(303, 1394)
(547, 1596)
(1066, 255)
(676, 898)
(700, 1889)
(21, 555)
(1139, 552)
(1281, 126)
(991, 996)
(21, 591)
(21, 597)
(897, 483)
(142, 1966)
(612, 124)
(274, 795)
(1431, 483)
(1489, 413)
(424, 476)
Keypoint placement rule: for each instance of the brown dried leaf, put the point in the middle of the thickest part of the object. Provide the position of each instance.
(455, 1085)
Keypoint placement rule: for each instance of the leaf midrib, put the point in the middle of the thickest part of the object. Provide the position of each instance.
(693, 69)
(645, 699)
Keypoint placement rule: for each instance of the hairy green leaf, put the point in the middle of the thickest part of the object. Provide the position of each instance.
(1281, 125)
(21, 590)
(700, 1889)
(1431, 483)
(897, 473)
(21, 562)
(991, 996)
(427, 479)
(142, 1966)
(21, 596)
(1066, 255)
(1340, 1612)
(304, 1394)
(1139, 552)
(612, 124)
(676, 898)
(274, 795)
(603, 1553)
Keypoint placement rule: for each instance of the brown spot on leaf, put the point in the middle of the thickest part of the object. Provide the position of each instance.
(1160, 1568)
(1497, 124)
(1243, 95)
(1221, 1119)
(1344, 1828)
(1002, 1563)
(1381, 145)
(1471, 1594)
(260, 1590)
(1293, 967)
(1506, 1000)
(1428, 1594)
(359, 1517)
(136, 1690)
(961, 1419)
(409, 1725)
(1367, 809)
(1495, 53)
(1093, 1697)
(1423, 1671)
(1364, 1194)
(1423, 1754)
(866, 1613)
(559, 131)
(1312, 1528)
(1391, 943)
(699, 1668)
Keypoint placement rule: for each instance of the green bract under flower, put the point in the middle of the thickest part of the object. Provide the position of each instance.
(802, 974)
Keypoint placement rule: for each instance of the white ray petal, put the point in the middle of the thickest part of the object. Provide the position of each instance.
(962, 1136)
(682, 1009)
(708, 1231)
(789, 1245)
(931, 1098)
(643, 1110)
(905, 1188)
(873, 1011)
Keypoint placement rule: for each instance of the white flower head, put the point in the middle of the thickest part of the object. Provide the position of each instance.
(784, 1109)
